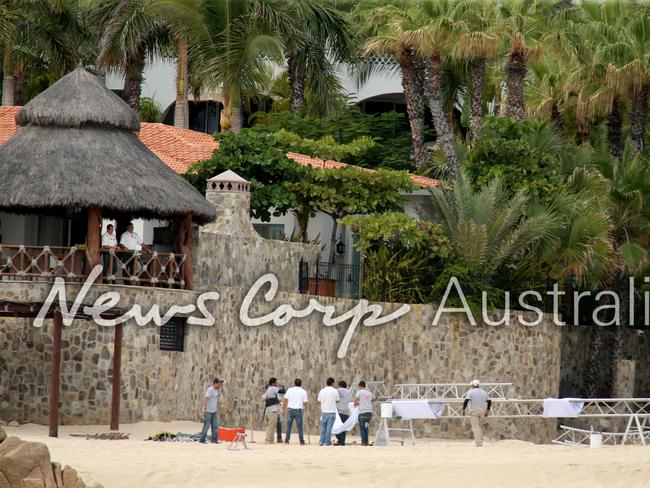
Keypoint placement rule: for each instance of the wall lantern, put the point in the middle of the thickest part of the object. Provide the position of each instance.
(340, 247)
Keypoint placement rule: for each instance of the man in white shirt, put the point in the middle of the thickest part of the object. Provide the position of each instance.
(327, 397)
(109, 242)
(131, 241)
(479, 408)
(211, 411)
(295, 399)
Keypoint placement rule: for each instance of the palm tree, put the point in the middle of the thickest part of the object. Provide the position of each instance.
(388, 26)
(524, 21)
(319, 36)
(477, 44)
(488, 228)
(130, 35)
(38, 35)
(629, 63)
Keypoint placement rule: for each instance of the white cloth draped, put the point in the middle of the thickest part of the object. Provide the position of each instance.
(349, 424)
(562, 407)
(416, 409)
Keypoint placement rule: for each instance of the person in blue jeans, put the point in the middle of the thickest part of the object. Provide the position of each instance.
(327, 397)
(363, 400)
(211, 411)
(296, 399)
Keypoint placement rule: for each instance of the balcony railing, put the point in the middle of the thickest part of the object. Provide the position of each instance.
(45, 263)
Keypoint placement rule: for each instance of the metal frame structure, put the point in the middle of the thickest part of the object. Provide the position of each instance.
(450, 395)
(422, 391)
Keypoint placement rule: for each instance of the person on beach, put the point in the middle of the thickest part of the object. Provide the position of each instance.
(344, 409)
(278, 427)
(327, 397)
(271, 399)
(295, 399)
(363, 400)
(211, 411)
(479, 408)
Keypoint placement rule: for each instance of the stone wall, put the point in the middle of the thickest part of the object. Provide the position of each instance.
(578, 344)
(229, 252)
(169, 385)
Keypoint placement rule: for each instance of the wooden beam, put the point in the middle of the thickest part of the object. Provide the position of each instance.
(93, 239)
(55, 380)
(117, 377)
(182, 244)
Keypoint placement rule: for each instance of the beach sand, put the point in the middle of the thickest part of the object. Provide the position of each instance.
(431, 463)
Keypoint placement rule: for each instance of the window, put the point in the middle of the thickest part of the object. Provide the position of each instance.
(172, 335)
(270, 231)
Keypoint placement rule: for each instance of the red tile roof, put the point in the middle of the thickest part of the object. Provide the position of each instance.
(421, 181)
(179, 148)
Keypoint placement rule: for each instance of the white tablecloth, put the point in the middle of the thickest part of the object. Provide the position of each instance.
(562, 407)
(416, 409)
(349, 424)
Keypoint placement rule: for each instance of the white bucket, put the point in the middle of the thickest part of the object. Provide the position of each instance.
(595, 440)
(386, 410)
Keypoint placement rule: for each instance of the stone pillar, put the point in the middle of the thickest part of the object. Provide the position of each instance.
(230, 195)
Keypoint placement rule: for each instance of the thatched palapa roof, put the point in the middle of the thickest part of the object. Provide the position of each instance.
(77, 148)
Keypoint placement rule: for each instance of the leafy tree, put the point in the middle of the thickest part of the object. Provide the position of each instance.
(259, 158)
(397, 230)
(349, 191)
(348, 127)
(524, 155)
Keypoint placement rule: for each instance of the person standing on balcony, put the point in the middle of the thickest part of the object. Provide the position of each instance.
(363, 400)
(479, 408)
(271, 408)
(344, 409)
(327, 397)
(211, 411)
(109, 243)
(131, 241)
(296, 399)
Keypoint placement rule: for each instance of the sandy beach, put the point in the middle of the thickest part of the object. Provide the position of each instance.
(144, 464)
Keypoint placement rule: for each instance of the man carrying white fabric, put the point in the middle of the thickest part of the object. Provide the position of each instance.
(479, 408)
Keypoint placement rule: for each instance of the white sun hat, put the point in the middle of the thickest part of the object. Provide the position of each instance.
(475, 383)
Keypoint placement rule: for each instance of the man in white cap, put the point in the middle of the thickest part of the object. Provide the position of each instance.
(479, 408)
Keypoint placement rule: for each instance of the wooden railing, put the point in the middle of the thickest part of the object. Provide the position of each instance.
(45, 263)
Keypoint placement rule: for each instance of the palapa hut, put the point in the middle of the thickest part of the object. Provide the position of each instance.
(77, 155)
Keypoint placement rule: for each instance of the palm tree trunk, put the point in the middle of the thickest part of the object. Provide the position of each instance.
(615, 139)
(133, 80)
(236, 115)
(639, 117)
(592, 368)
(516, 74)
(412, 81)
(296, 84)
(434, 94)
(583, 131)
(8, 76)
(556, 118)
(476, 116)
(181, 109)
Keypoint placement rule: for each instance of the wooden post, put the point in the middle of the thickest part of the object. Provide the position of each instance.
(93, 243)
(182, 244)
(117, 377)
(55, 380)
